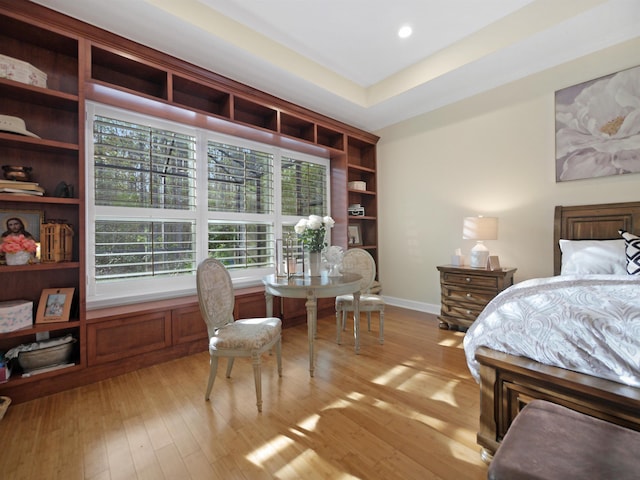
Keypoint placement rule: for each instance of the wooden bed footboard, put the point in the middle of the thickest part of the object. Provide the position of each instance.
(508, 383)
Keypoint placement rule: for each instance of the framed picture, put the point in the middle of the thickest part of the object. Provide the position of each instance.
(55, 305)
(595, 132)
(493, 263)
(26, 222)
(355, 235)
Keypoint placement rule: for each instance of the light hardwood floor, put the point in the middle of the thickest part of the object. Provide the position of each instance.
(407, 409)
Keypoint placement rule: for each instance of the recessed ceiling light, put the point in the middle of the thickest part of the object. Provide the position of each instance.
(405, 31)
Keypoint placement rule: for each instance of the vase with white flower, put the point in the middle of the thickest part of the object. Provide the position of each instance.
(18, 249)
(312, 233)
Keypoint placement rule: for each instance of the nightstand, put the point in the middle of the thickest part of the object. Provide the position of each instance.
(465, 291)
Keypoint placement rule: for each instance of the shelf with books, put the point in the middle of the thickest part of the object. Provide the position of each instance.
(86, 63)
(21, 188)
(47, 149)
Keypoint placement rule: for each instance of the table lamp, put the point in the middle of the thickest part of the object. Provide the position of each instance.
(480, 228)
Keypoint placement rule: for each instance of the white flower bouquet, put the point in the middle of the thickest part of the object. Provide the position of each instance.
(312, 231)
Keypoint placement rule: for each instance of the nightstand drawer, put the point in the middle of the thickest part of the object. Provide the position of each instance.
(460, 311)
(466, 292)
(465, 295)
(475, 280)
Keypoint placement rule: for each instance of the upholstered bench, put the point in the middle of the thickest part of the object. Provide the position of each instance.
(547, 442)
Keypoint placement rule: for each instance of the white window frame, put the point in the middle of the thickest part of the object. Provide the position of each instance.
(139, 290)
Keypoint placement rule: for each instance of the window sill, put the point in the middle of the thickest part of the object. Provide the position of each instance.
(95, 312)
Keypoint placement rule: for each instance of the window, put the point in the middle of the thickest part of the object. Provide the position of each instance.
(165, 196)
(240, 180)
(303, 188)
(141, 166)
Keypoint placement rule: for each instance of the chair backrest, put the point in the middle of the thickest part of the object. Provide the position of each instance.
(357, 260)
(215, 294)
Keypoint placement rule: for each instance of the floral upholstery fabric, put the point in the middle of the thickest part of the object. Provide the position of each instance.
(248, 334)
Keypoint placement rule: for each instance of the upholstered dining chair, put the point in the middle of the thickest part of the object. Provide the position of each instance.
(233, 338)
(357, 260)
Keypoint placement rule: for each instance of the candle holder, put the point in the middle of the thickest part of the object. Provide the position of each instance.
(286, 258)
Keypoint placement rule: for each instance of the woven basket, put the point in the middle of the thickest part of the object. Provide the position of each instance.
(4, 405)
(45, 357)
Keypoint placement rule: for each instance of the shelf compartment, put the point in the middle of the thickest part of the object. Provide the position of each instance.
(255, 114)
(121, 71)
(363, 175)
(17, 378)
(38, 95)
(48, 167)
(296, 127)
(28, 281)
(54, 54)
(330, 138)
(36, 144)
(40, 117)
(366, 200)
(361, 153)
(201, 97)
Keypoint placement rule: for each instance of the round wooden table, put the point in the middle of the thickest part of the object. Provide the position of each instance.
(313, 288)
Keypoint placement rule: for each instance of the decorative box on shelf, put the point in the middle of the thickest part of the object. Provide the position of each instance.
(357, 185)
(56, 242)
(20, 71)
(5, 372)
(356, 210)
(15, 314)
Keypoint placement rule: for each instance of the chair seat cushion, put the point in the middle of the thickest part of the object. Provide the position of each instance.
(246, 334)
(367, 300)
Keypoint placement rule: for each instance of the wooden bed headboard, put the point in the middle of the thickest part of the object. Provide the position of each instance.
(592, 222)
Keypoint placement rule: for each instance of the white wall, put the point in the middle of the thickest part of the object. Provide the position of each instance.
(493, 154)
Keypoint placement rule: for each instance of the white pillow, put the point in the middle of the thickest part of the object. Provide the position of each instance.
(581, 257)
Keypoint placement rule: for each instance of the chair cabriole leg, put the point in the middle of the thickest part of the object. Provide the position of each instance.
(213, 370)
(255, 360)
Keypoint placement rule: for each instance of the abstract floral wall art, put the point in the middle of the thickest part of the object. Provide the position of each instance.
(598, 127)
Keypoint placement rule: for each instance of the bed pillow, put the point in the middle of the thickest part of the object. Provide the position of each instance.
(632, 251)
(582, 257)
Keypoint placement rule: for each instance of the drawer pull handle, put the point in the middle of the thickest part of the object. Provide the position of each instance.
(468, 312)
(469, 295)
(468, 279)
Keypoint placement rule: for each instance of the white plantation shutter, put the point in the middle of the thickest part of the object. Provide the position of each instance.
(304, 188)
(140, 166)
(165, 196)
(240, 179)
(141, 248)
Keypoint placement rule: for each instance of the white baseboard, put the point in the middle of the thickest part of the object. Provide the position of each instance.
(412, 305)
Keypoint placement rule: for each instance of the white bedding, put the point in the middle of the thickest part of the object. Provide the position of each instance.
(586, 323)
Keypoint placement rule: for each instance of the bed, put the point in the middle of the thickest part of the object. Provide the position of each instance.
(509, 381)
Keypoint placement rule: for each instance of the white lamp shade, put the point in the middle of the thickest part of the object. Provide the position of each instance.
(480, 228)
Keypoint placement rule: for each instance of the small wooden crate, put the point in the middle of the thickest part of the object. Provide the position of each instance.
(56, 242)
